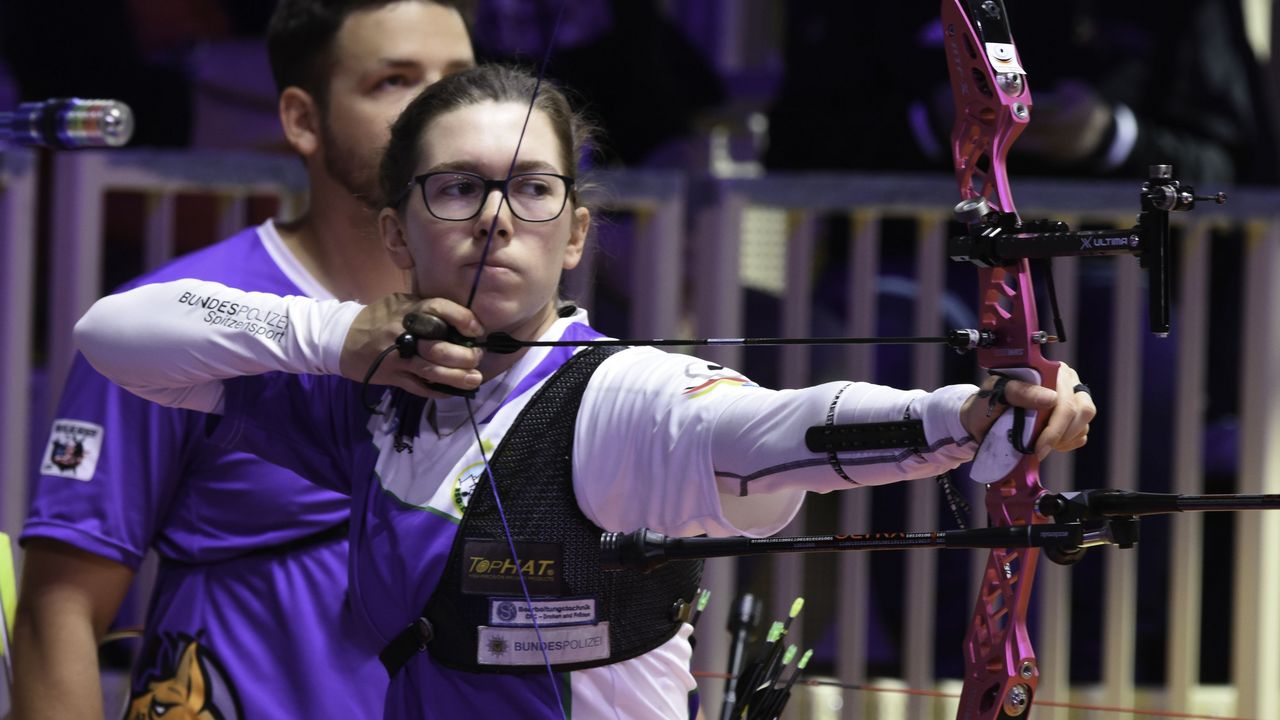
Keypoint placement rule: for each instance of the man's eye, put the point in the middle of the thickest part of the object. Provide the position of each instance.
(392, 82)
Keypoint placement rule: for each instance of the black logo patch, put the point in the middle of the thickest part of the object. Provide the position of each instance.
(488, 569)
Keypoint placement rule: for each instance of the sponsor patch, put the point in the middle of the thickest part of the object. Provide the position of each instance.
(239, 316)
(514, 612)
(521, 646)
(487, 568)
(73, 450)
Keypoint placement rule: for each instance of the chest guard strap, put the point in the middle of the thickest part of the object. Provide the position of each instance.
(533, 467)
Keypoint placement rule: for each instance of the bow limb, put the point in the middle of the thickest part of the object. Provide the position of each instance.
(993, 106)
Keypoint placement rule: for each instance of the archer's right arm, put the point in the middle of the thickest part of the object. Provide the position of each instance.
(174, 343)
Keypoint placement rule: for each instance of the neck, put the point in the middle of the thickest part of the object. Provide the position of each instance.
(337, 241)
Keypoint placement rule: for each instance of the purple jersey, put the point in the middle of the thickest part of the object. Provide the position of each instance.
(251, 594)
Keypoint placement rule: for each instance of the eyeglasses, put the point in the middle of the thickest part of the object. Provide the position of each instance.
(532, 197)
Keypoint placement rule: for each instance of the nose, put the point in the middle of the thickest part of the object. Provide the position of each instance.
(494, 204)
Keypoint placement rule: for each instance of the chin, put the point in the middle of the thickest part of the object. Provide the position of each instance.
(457, 294)
(504, 318)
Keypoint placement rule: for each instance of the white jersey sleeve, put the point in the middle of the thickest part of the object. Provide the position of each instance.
(174, 343)
(685, 447)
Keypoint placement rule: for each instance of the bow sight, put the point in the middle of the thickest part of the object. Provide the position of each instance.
(997, 238)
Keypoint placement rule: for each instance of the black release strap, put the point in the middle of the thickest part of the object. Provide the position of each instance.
(411, 641)
(866, 436)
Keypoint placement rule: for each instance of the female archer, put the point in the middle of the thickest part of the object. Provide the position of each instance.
(476, 520)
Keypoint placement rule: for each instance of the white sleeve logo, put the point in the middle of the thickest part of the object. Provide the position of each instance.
(74, 447)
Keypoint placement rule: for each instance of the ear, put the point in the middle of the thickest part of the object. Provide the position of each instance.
(190, 677)
(580, 223)
(393, 239)
(300, 119)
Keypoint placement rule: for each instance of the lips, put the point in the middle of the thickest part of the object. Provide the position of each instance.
(489, 264)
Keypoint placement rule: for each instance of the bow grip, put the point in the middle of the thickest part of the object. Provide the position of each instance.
(999, 453)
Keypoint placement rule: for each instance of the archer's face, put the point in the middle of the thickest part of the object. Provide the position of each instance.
(519, 284)
(382, 59)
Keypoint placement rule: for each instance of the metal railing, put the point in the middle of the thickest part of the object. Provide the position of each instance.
(674, 284)
(81, 182)
(868, 198)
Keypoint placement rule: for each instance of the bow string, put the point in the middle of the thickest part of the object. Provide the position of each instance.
(471, 416)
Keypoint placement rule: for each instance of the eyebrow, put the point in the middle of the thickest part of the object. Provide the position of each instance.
(398, 63)
(455, 65)
(523, 166)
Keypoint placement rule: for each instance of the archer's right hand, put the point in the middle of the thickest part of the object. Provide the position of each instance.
(436, 361)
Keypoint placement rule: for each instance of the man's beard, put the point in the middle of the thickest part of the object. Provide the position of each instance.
(347, 169)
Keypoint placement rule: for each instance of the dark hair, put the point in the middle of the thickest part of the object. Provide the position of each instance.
(495, 83)
(301, 34)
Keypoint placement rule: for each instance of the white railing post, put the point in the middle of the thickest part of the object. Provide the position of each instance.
(161, 216)
(1256, 623)
(717, 312)
(854, 568)
(717, 292)
(657, 250)
(922, 501)
(1053, 581)
(18, 171)
(233, 212)
(1119, 622)
(1182, 665)
(75, 254)
(797, 305)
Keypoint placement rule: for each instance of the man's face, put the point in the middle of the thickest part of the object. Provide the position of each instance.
(382, 59)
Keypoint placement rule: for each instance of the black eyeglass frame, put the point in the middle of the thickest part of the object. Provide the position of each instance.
(489, 187)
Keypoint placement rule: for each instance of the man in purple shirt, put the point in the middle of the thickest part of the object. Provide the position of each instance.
(248, 615)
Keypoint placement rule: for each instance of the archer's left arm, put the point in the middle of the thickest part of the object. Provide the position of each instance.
(685, 447)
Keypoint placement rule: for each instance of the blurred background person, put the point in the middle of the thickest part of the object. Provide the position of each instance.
(250, 598)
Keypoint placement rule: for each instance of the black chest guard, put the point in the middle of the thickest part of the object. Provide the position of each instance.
(557, 545)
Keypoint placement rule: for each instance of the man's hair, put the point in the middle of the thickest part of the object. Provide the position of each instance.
(301, 34)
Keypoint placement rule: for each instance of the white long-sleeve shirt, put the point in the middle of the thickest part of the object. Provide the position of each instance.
(665, 441)
(175, 343)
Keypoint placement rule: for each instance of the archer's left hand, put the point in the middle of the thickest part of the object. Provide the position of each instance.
(1069, 411)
